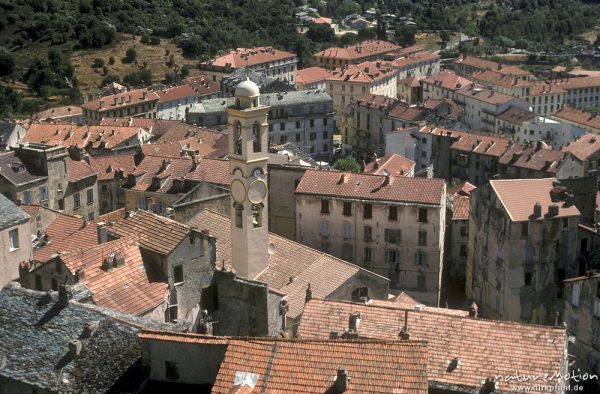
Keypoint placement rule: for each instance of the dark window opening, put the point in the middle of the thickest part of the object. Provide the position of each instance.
(393, 213)
(325, 206)
(347, 209)
(178, 274)
(422, 215)
(171, 370)
(360, 292)
(368, 211)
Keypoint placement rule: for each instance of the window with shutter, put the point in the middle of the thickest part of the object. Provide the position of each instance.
(575, 293)
(347, 230)
(324, 228)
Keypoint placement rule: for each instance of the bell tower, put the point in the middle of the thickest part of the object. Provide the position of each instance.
(247, 124)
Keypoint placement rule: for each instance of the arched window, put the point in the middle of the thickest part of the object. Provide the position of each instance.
(257, 215)
(237, 138)
(360, 292)
(256, 142)
(239, 210)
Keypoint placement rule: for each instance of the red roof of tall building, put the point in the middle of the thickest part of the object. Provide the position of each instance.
(127, 288)
(482, 144)
(393, 164)
(366, 72)
(485, 64)
(534, 156)
(447, 80)
(519, 196)
(175, 93)
(165, 169)
(79, 169)
(579, 116)
(202, 85)
(584, 147)
(311, 74)
(123, 100)
(209, 170)
(359, 51)
(107, 167)
(372, 187)
(244, 57)
(58, 112)
(463, 351)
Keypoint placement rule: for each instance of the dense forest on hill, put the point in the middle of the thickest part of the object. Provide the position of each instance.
(203, 28)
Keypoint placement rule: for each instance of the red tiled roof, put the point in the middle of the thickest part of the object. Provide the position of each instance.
(289, 260)
(413, 59)
(405, 112)
(132, 97)
(202, 85)
(126, 289)
(584, 147)
(575, 83)
(153, 232)
(579, 116)
(311, 74)
(107, 166)
(533, 157)
(462, 189)
(208, 142)
(517, 116)
(500, 79)
(482, 348)
(144, 123)
(162, 167)
(244, 57)
(322, 19)
(66, 234)
(366, 72)
(32, 210)
(79, 169)
(413, 82)
(163, 149)
(372, 187)
(114, 216)
(393, 164)
(519, 196)
(447, 80)
(58, 112)
(209, 170)
(404, 301)
(359, 51)
(460, 208)
(297, 366)
(484, 94)
(482, 144)
(108, 137)
(175, 93)
(376, 101)
(484, 64)
(54, 134)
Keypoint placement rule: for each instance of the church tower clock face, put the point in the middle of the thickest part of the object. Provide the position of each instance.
(238, 191)
(257, 191)
(256, 173)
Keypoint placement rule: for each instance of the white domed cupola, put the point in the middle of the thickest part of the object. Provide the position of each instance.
(246, 95)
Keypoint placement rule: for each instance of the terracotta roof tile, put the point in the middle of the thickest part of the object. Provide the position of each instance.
(484, 64)
(114, 216)
(208, 142)
(202, 85)
(462, 189)
(289, 260)
(460, 208)
(107, 166)
(359, 51)
(447, 80)
(311, 74)
(533, 157)
(393, 164)
(58, 112)
(576, 83)
(366, 72)
(175, 93)
(55, 134)
(484, 94)
(483, 348)
(500, 79)
(244, 57)
(124, 100)
(518, 196)
(127, 288)
(404, 301)
(209, 170)
(409, 60)
(579, 116)
(296, 366)
(32, 210)
(482, 144)
(108, 137)
(584, 147)
(164, 168)
(79, 169)
(66, 233)
(517, 116)
(410, 113)
(144, 123)
(372, 187)
(153, 232)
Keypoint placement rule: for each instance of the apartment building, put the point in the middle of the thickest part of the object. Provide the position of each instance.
(311, 78)
(348, 83)
(304, 118)
(526, 126)
(583, 92)
(139, 103)
(582, 120)
(522, 245)
(15, 240)
(443, 85)
(332, 58)
(267, 60)
(416, 65)
(467, 65)
(393, 225)
(173, 101)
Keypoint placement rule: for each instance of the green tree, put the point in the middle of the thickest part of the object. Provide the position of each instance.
(347, 163)
(405, 35)
(7, 63)
(348, 39)
(320, 32)
(98, 63)
(130, 55)
(110, 78)
(111, 60)
(185, 71)
(366, 34)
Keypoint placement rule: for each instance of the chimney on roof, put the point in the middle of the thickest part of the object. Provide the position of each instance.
(341, 381)
(74, 348)
(308, 296)
(88, 329)
(552, 210)
(101, 232)
(79, 275)
(107, 262)
(537, 210)
(145, 94)
(64, 294)
(353, 321)
(118, 261)
(473, 310)
(342, 179)
(404, 334)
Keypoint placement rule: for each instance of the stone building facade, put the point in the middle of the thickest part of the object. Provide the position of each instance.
(15, 240)
(522, 245)
(370, 221)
